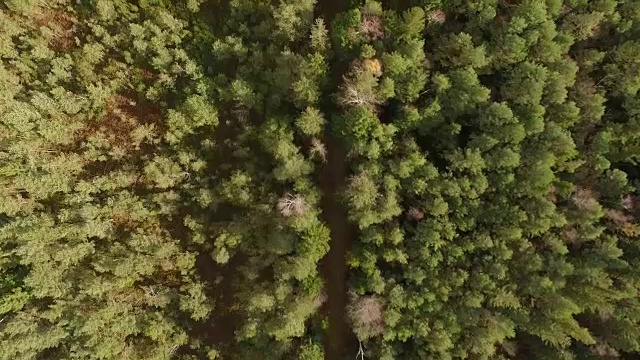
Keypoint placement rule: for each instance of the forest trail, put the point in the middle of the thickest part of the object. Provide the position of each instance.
(334, 264)
(332, 178)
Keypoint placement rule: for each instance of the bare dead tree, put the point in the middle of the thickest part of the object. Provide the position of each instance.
(241, 113)
(320, 299)
(150, 292)
(553, 194)
(354, 95)
(367, 315)
(436, 16)
(604, 351)
(618, 217)
(584, 199)
(570, 235)
(628, 202)
(292, 205)
(371, 27)
(510, 347)
(318, 148)
(415, 214)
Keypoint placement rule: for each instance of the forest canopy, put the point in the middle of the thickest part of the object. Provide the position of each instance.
(302, 179)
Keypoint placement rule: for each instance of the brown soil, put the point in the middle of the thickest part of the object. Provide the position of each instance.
(124, 113)
(340, 342)
(334, 264)
(61, 23)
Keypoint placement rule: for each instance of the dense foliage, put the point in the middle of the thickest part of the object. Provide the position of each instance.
(167, 170)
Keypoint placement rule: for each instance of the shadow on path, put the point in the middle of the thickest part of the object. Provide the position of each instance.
(340, 341)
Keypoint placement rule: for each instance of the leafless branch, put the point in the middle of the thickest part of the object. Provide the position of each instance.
(360, 354)
(371, 27)
(354, 96)
(367, 315)
(584, 199)
(436, 16)
(618, 217)
(318, 148)
(320, 299)
(173, 350)
(415, 214)
(149, 291)
(628, 202)
(292, 205)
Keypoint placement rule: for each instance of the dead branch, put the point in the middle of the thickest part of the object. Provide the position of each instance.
(436, 16)
(367, 315)
(173, 350)
(415, 214)
(371, 27)
(585, 199)
(360, 354)
(320, 299)
(292, 205)
(352, 95)
(628, 202)
(318, 148)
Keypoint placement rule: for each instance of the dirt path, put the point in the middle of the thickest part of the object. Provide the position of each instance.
(339, 336)
(340, 341)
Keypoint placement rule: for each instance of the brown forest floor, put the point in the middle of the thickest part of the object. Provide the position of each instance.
(339, 336)
(340, 341)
